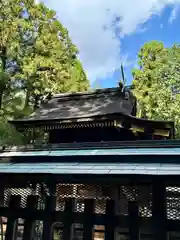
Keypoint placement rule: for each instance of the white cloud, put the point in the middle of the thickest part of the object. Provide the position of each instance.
(174, 13)
(90, 24)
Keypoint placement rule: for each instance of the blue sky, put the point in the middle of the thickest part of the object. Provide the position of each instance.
(158, 27)
(111, 32)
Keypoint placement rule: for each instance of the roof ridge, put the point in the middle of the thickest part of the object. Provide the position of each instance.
(86, 93)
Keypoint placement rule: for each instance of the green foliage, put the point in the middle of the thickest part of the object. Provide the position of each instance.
(8, 134)
(37, 57)
(156, 83)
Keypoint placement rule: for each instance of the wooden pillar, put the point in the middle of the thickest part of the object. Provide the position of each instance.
(88, 220)
(159, 210)
(67, 221)
(47, 226)
(28, 224)
(109, 224)
(133, 214)
(14, 205)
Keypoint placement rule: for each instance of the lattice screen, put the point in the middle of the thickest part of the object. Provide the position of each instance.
(173, 202)
(100, 193)
(122, 194)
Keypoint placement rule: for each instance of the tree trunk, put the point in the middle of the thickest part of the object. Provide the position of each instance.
(1, 97)
(26, 104)
(2, 89)
(36, 102)
(3, 57)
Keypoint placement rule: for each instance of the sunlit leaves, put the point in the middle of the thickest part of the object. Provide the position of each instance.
(37, 58)
(157, 83)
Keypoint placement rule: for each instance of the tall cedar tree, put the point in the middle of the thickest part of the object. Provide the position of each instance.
(37, 58)
(156, 83)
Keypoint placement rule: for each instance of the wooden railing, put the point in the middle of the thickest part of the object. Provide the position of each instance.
(87, 219)
(49, 216)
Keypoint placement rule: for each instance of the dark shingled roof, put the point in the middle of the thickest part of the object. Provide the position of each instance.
(84, 105)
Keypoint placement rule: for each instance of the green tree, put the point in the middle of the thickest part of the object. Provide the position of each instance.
(9, 44)
(48, 61)
(156, 82)
(8, 134)
(37, 58)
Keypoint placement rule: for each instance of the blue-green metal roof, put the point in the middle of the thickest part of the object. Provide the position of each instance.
(74, 164)
(88, 168)
(96, 152)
